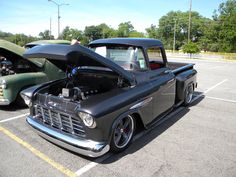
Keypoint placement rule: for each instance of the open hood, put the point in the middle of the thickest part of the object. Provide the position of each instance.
(10, 50)
(77, 55)
(14, 52)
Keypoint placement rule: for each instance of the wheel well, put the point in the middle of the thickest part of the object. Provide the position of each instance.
(139, 122)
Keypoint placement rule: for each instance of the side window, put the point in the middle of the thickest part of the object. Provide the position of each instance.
(155, 58)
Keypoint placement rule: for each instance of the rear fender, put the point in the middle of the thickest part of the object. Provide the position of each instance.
(183, 80)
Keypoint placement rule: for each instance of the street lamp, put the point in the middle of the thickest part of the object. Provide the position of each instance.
(58, 14)
(174, 35)
(189, 20)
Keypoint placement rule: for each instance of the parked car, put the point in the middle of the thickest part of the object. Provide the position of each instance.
(112, 88)
(45, 42)
(18, 73)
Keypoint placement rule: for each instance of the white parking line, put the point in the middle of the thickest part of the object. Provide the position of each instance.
(221, 99)
(214, 86)
(12, 118)
(91, 165)
(208, 90)
(99, 160)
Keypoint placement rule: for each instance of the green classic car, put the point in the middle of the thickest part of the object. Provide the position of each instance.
(18, 73)
(44, 42)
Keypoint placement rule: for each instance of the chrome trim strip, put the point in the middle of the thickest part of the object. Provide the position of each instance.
(170, 81)
(82, 146)
(142, 103)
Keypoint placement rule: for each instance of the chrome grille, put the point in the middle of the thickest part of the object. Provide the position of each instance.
(1, 92)
(61, 121)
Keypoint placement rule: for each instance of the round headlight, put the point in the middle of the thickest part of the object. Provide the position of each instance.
(3, 84)
(87, 119)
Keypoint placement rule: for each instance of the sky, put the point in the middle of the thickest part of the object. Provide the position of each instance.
(33, 16)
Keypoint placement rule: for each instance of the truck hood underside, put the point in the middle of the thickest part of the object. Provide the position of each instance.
(76, 55)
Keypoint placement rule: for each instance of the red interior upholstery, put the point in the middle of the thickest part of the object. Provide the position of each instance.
(154, 66)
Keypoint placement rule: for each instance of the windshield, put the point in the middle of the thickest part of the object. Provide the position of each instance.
(128, 57)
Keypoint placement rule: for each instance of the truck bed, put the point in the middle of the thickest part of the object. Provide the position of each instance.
(177, 67)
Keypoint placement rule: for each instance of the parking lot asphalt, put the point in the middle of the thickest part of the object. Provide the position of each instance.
(199, 140)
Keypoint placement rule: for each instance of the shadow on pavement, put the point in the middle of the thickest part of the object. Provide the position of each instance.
(13, 107)
(149, 136)
(154, 133)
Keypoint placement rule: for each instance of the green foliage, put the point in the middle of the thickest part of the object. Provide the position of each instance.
(107, 32)
(19, 39)
(178, 21)
(152, 32)
(136, 34)
(225, 26)
(217, 34)
(93, 32)
(191, 48)
(71, 33)
(45, 35)
(124, 29)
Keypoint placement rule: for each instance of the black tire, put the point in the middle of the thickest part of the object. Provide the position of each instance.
(188, 94)
(123, 133)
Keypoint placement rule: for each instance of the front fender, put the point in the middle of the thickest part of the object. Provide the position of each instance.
(17, 82)
(128, 112)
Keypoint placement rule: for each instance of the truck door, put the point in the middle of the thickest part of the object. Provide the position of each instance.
(162, 81)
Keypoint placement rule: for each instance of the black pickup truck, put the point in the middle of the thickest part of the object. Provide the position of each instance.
(111, 88)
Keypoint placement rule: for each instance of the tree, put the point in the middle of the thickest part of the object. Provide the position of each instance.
(191, 48)
(71, 33)
(107, 32)
(178, 21)
(226, 25)
(93, 32)
(124, 29)
(19, 39)
(45, 35)
(136, 34)
(4, 35)
(152, 32)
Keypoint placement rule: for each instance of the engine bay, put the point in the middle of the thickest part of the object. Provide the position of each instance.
(6, 67)
(9, 67)
(80, 84)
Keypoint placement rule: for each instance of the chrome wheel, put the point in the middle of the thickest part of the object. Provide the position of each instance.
(123, 132)
(189, 94)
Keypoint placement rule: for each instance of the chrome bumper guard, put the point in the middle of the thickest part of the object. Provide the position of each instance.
(85, 147)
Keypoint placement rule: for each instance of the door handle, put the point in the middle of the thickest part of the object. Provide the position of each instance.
(167, 71)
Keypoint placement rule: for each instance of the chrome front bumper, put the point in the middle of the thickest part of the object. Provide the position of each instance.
(4, 101)
(82, 146)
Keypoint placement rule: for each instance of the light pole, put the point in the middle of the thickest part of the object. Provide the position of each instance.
(50, 27)
(174, 35)
(189, 20)
(58, 15)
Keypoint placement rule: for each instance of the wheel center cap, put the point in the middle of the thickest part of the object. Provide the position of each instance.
(121, 130)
